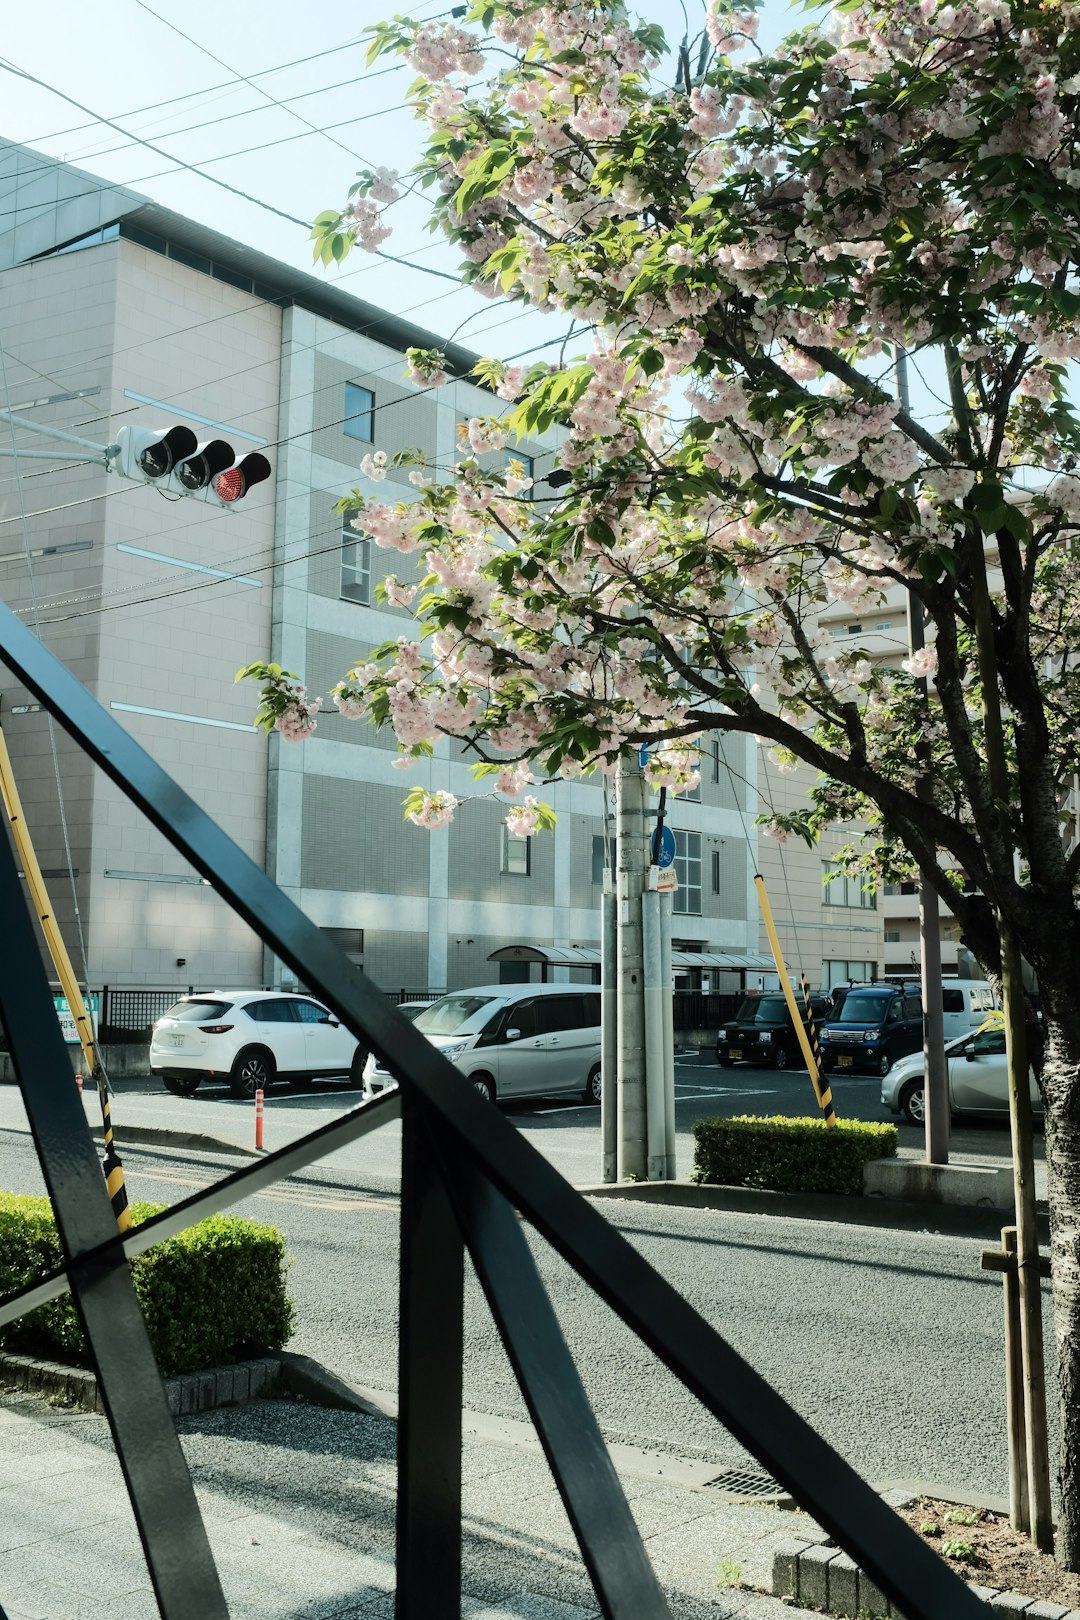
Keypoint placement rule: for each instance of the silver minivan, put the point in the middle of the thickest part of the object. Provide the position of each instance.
(514, 1040)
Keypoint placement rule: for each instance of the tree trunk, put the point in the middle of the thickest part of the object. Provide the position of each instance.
(1060, 1084)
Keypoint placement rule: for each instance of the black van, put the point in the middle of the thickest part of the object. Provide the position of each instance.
(877, 1024)
(762, 1033)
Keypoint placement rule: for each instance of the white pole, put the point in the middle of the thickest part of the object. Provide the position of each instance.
(609, 1037)
(630, 864)
(669, 1033)
(53, 432)
(654, 1033)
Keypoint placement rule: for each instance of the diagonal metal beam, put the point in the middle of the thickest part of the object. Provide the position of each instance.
(174, 1540)
(592, 1494)
(895, 1557)
(430, 1348)
(231, 1189)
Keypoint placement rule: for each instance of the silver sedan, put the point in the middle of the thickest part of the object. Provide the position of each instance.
(978, 1079)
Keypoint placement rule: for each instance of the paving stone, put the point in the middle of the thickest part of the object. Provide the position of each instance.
(814, 1576)
(844, 1585)
(1042, 1610)
(872, 1600)
(785, 1568)
(1010, 1603)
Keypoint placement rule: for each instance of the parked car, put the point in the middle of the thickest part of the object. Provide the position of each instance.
(250, 1038)
(978, 1078)
(877, 1024)
(763, 1034)
(513, 1040)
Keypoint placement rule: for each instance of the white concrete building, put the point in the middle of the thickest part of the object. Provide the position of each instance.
(112, 311)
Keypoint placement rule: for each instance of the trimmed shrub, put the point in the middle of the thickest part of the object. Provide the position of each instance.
(213, 1294)
(789, 1155)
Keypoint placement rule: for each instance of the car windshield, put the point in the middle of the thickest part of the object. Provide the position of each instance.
(763, 1010)
(453, 1014)
(196, 1012)
(412, 1009)
(863, 1009)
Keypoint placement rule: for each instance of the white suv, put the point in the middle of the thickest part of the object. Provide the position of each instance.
(250, 1038)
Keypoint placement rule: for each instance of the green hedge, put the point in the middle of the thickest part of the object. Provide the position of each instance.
(211, 1295)
(789, 1155)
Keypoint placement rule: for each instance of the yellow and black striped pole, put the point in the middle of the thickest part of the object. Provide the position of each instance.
(35, 882)
(812, 1060)
(114, 1170)
(822, 1085)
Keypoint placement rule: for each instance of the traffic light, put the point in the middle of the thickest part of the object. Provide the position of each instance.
(176, 462)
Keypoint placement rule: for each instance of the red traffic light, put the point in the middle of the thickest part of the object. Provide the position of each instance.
(235, 482)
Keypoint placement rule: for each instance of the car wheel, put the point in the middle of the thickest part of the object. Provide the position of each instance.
(591, 1093)
(884, 1063)
(484, 1086)
(181, 1085)
(253, 1071)
(779, 1058)
(913, 1101)
(725, 1063)
(356, 1067)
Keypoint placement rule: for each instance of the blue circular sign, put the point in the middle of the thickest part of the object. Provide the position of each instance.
(665, 854)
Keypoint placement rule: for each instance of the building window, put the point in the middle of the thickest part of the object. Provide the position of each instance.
(687, 897)
(355, 562)
(599, 858)
(525, 466)
(892, 936)
(842, 890)
(516, 853)
(359, 420)
(716, 871)
(847, 973)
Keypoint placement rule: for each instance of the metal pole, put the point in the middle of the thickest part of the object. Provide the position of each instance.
(654, 1036)
(609, 1037)
(1019, 1501)
(630, 864)
(938, 1113)
(53, 432)
(669, 1035)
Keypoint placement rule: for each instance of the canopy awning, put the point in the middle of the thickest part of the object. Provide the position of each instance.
(589, 956)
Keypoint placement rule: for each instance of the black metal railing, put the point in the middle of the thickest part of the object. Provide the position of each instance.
(467, 1175)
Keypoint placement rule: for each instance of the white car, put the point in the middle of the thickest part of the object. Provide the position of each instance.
(514, 1040)
(978, 1079)
(251, 1038)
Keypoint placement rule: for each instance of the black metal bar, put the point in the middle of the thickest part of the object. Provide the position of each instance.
(610, 1542)
(430, 1349)
(899, 1560)
(231, 1189)
(178, 1556)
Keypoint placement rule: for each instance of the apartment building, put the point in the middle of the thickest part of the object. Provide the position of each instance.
(114, 310)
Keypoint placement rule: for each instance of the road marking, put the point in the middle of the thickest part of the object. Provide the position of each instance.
(308, 1200)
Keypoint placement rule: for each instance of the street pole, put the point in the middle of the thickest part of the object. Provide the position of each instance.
(938, 1119)
(631, 864)
(609, 1033)
(1012, 990)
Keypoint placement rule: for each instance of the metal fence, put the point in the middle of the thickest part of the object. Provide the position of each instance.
(467, 1176)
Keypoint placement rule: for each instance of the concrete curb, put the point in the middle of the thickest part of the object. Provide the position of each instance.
(822, 1577)
(955, 1220)
(185, 1394)
(162, 1136)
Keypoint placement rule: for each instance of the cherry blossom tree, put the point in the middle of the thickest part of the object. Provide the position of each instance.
(755, 239)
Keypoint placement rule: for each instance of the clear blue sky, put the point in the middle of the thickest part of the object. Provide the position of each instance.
(120, 60)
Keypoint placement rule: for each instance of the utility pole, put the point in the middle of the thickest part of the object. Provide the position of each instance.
(938, 1113)
(631, 867)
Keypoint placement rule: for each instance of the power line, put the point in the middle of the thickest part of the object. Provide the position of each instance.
(212, 89)
(168, 23)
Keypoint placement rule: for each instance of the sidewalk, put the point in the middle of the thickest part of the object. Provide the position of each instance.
(299, 1506)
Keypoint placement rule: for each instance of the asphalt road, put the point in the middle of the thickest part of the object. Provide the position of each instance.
(890, 1343)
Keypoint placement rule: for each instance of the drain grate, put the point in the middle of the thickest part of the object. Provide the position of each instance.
(746, 1482)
